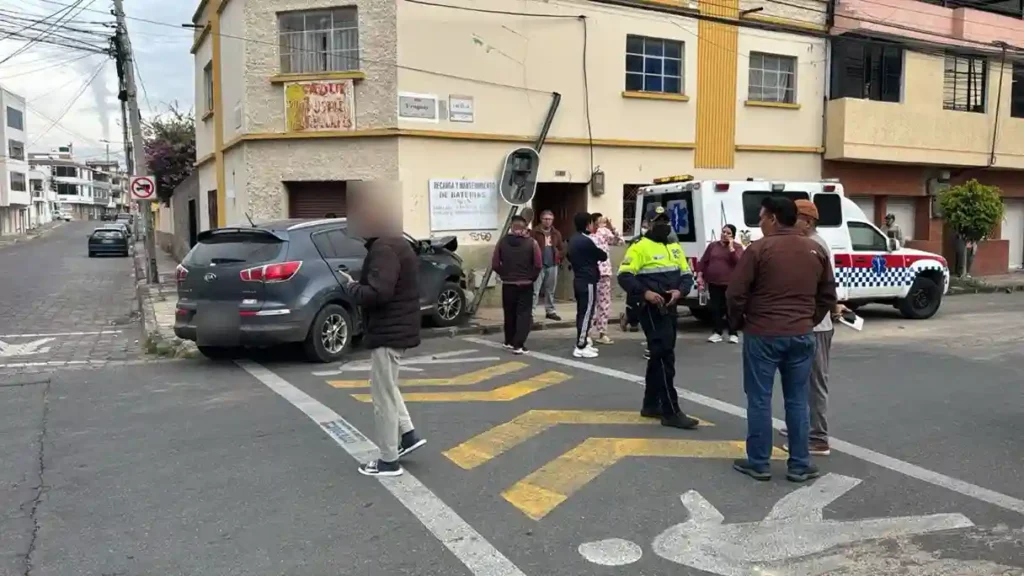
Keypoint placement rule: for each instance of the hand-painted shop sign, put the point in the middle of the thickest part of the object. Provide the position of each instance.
(319, 106)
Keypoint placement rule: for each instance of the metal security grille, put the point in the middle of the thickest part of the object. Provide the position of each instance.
(316, 199)
(629, 196)
(964, 84)
(319, 41)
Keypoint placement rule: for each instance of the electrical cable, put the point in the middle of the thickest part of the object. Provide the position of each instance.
(54, 65)
(61, 126)
(46, 33)
(70, 104)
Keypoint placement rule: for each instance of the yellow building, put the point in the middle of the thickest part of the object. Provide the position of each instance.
(298, 97)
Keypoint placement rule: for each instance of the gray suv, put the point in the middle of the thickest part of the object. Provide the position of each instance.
(278, 283)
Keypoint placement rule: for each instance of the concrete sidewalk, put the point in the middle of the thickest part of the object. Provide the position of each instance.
(37, 232)
(157, 304)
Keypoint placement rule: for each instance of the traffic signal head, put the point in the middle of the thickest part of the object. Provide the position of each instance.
(519, 176)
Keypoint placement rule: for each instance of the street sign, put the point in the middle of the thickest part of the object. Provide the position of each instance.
(142, 187)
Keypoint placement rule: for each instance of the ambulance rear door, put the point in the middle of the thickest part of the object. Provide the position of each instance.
(682, 201)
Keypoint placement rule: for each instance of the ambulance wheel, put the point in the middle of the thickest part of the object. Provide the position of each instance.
(702, 315)
(922, 302)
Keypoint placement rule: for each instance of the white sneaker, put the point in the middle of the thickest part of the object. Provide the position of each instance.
(734, 339)
(715, 338)
(584, 352)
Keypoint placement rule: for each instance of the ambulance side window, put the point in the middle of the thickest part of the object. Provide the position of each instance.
(864, 238)
(830, 210)
(752, 203)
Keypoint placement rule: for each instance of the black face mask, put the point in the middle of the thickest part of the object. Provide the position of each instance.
(660, 231)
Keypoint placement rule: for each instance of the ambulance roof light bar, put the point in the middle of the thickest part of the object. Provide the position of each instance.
(673, 179)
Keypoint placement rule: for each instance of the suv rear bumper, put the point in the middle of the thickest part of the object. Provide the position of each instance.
(253, 331)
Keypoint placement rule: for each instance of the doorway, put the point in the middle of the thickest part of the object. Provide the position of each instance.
(211, 209)
(317, 199)
(565, 200)
(193, 223)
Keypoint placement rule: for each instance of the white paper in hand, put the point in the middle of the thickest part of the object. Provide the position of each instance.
(856, 324)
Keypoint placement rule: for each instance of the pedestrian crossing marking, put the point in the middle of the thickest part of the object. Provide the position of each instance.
(507, 393)
(546, 488)
(467, 379)
(494, 442)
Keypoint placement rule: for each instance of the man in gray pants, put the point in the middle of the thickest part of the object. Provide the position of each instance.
(388, 293)
(817, 397)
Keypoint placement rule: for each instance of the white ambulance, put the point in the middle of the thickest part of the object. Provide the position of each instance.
(869, 267)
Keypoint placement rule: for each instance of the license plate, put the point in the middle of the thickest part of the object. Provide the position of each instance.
(108, 241)
(217, 325)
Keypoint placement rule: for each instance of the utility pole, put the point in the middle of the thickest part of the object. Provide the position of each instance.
(129, 99)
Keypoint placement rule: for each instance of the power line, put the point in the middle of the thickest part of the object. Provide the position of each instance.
(60, 126)
(54, 65)
(71, 104)
(66, 10)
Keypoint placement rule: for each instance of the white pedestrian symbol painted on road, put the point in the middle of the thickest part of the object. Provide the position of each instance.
(793, 529)
(409, 364)
(26, 349)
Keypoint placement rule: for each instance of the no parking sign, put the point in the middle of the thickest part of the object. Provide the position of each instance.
(142, 187)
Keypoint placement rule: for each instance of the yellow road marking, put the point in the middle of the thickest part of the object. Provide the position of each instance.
(503, 394)
(466, 379)
(550, 485)
(500, 439)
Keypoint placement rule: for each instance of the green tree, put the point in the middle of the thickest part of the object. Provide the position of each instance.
(973, 209)
(170, 149)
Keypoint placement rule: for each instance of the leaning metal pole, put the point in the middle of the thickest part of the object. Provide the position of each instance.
(556, 99)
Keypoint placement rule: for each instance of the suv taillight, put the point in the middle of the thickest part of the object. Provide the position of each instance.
(180, 273)
(271, 272)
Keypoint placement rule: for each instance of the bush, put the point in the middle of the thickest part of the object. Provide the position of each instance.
(973, 209)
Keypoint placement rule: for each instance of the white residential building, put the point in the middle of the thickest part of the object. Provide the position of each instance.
(79, 191)
(15, 199)
(44, 195)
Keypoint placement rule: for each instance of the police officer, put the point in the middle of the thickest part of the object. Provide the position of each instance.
(655, 271)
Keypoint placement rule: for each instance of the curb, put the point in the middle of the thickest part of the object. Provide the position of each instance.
(154, 342)
(960, 288)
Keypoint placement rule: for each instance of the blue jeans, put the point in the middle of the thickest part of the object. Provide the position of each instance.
(792, 357)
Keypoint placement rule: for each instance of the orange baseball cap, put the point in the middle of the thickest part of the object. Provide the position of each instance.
(806, 208)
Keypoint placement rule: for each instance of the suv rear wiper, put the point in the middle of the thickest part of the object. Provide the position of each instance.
(226, 260)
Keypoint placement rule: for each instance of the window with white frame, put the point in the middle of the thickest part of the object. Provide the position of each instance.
(964, 83)
(208, 85)
(772, 78)
(319, 41)
(654, 65)
(16, 150)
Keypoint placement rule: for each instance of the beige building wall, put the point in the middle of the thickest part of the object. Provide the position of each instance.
(919, 131)
(204, 117)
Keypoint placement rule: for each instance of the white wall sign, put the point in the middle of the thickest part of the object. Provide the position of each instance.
(418, 107)
(463, 205)
(460, 108)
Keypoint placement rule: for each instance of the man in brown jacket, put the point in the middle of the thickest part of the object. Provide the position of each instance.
(781, 289)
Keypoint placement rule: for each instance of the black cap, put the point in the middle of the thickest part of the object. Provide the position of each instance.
(657, 213)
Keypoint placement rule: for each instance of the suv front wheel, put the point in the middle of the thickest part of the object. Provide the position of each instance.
(922, 302)
(450, 306)
(330, 335)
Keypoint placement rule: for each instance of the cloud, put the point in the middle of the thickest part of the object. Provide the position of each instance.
(50, 77)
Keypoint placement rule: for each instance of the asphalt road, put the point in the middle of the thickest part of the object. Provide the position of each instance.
(194, 467)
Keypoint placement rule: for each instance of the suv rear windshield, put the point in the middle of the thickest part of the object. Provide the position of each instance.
(235, 248)
(116, 234)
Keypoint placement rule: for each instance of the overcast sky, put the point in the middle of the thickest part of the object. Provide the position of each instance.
(50, 77)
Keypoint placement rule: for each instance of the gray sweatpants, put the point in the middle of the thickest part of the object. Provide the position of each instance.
(544, 287)
(390, 416)
(817, 396)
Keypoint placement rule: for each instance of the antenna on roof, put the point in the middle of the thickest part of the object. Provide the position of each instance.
(249, 218)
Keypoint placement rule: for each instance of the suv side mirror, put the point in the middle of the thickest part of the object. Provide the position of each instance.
(894, 245)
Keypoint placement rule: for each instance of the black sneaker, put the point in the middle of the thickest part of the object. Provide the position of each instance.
(381, 468)
(744, 466)
(680, 421)
(809, 473)
(553, 316)
(410, 442)
(650, 412)
(634, 328)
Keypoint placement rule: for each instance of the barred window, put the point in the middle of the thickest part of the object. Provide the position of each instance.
(772, 78)
(319, 41)
(964, 85)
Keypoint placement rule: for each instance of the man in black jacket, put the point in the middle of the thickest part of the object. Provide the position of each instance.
(388, 293)
(584, 255)
(518, 261)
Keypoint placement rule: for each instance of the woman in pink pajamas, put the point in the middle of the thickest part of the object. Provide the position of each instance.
(604, 236)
